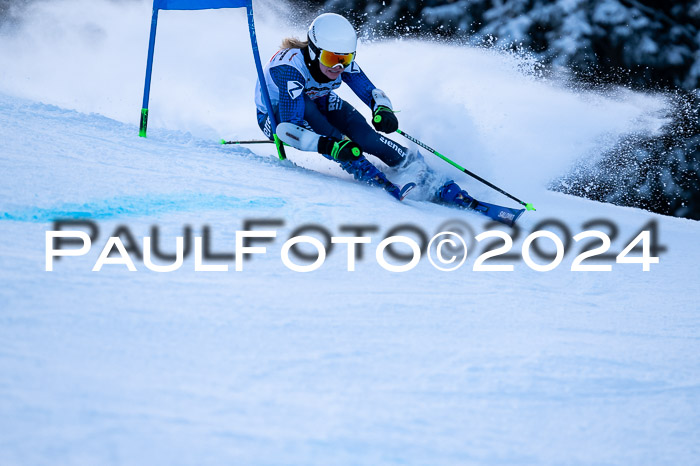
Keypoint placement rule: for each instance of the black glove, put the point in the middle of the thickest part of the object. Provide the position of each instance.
(384, 120)
(342, 151)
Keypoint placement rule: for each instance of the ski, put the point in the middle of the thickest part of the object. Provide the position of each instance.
(400, 193)
(496, 212)
(406, 189)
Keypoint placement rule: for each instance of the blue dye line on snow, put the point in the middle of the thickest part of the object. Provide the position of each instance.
(133, 206)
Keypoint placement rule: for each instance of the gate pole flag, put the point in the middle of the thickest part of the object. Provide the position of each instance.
(206, 5)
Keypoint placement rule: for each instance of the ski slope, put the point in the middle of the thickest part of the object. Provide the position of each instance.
(271, 366)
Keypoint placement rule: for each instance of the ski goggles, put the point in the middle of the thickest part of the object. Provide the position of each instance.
(332, 60)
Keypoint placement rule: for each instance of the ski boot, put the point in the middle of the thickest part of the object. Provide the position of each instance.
(451, 193)
(363, 170)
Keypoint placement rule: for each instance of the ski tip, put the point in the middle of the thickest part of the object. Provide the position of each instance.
(223, 141)
(405, 190)
(517, 216)
(529, 206)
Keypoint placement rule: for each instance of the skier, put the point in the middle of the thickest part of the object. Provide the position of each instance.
(301, 78)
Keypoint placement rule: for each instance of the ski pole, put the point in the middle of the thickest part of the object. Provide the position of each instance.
(254, 141)
(464, 170)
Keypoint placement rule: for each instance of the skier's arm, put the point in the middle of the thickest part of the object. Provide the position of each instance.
(360, 84)
(383, 117)
(289, 81)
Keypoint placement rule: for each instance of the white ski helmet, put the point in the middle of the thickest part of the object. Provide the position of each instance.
(333, 33)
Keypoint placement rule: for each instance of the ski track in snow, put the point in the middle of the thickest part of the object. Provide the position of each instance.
(269, 366)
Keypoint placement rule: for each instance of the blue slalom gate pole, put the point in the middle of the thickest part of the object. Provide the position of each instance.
(263, 85)
(143, 126)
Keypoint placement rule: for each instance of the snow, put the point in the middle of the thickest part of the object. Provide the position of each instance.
(270, 366)
(610, 12)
